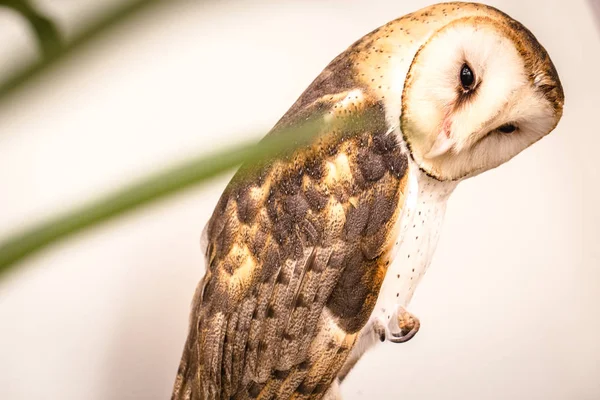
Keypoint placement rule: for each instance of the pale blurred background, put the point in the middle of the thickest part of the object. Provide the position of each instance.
(510, 308)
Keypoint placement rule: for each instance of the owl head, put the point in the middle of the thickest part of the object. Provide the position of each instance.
(479, 91)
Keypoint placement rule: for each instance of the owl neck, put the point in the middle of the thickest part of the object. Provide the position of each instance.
(431, 188)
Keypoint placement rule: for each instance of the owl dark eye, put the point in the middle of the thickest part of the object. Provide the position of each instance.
(467, 78)
(507, 128)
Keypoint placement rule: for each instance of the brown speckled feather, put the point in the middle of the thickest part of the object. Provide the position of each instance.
(297, 251)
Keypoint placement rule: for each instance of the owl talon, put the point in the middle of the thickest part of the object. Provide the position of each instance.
(380, 331)
(403, 327)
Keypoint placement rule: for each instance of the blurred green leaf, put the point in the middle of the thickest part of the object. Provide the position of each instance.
(45, 29)
(55, 52)
(151, 189)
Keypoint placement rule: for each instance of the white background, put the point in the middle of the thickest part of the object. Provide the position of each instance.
(510, 307)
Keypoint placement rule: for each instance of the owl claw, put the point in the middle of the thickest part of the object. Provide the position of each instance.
(380, 331)
(403, 327)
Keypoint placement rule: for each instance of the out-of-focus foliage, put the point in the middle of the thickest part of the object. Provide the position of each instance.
(150, 189)
(45, 29)
(55, 49)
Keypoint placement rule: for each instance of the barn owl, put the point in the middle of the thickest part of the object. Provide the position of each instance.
(312, 258)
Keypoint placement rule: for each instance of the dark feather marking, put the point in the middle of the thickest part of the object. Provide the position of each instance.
(385, 143)
(258, 242)
(281, 375)
(255, 388)
(356, 221)
(316, 200)
(296, 206)
(371, 164)
(303, 389)
(397, 164)
(382, 208)
(309, 234)
(314, 169)
(247, 207)
(227, 237)
(347, 299)
(271, 263)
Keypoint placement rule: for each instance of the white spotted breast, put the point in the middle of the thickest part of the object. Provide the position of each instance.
(420, 226)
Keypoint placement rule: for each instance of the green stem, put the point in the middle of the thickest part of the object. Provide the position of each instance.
(56, 53)
(150, 189)
(45, 29)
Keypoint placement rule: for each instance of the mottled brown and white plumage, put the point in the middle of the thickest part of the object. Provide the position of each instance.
(312, 258)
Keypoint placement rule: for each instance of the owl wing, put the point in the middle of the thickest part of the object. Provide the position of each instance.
(297, 250)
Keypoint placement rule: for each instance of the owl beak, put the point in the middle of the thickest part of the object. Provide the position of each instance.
(443, 143)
